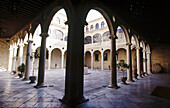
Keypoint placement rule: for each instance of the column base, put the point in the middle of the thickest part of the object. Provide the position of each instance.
(130, 80)
(112, 86)
(40, 86)
(25, 79)
(73, 102)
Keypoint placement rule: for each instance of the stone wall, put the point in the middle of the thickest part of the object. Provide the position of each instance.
(161, 55)
(4, 55)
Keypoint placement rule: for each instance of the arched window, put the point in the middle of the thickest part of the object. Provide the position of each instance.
(106, 36)
(97, 26)
(102, 24)
(91, 27)
(87, 29)
(97, 38)
(87, 40)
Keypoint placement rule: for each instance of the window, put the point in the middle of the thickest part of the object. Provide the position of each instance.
(96, 57)
(102, 24)
(97, 38)
(97, 26)
(87, 40)
(87, 29)
(105, 56)
(91, 27)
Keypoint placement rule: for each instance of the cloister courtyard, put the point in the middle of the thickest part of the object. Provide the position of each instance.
(17, 93)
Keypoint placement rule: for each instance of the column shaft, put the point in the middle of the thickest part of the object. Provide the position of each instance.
(28, 60)
(41, 69)
(14, 58)
(113, 69)
(10, 59)
(138, 62)
(144, 62)
(62, 60)
(129, 62)
(149, 63)
(101, 60)
(20, 54)
(74, 82)
(92, 60)
(49, 60)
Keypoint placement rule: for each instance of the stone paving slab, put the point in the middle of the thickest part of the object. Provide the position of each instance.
(17, 93)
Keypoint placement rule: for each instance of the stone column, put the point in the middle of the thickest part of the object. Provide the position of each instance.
(28, 61)
(10, 58)
(129, 62)
(32, 62)
(149, 62)
(20, 53)
(101, 60)
(74, 81)
(138, 61)
(62, 60)
(41, 68)
(92, 60)
(144, 62)
(14, 58)
(49, 60)
(113, 81)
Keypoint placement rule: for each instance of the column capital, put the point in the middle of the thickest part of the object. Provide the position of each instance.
(129, 44)
(113, 37)
(44, 35)
(137, 47)
(21, 45)
(30, 41)
(148, 52)
(144, 51)
(10, 48)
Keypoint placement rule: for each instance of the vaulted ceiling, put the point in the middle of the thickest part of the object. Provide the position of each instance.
(148, 18)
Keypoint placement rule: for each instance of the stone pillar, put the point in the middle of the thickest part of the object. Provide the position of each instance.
(101, 60)
(20, 53)
(62, 60)
(74, 80)
(49, 60)
(41, 68)
(129, 62)
(113, 69)
(92, 60)
(32, 62)
(144, 62)
(138, 62)
(14, 58)
(10, 58)
(28, 60)
(149, 62)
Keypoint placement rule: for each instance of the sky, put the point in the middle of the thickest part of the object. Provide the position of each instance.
(93, 14)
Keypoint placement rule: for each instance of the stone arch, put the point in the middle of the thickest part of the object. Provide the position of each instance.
(121, 54)
(56, 58)
(54, 8)
(97, 59)
(148, 48)
(106, 13)
(136, 40)
(106, 59)
(87, 59)
(142, 44)
(126, 33)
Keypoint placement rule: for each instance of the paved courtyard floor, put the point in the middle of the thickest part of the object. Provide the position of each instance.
(17, 93)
